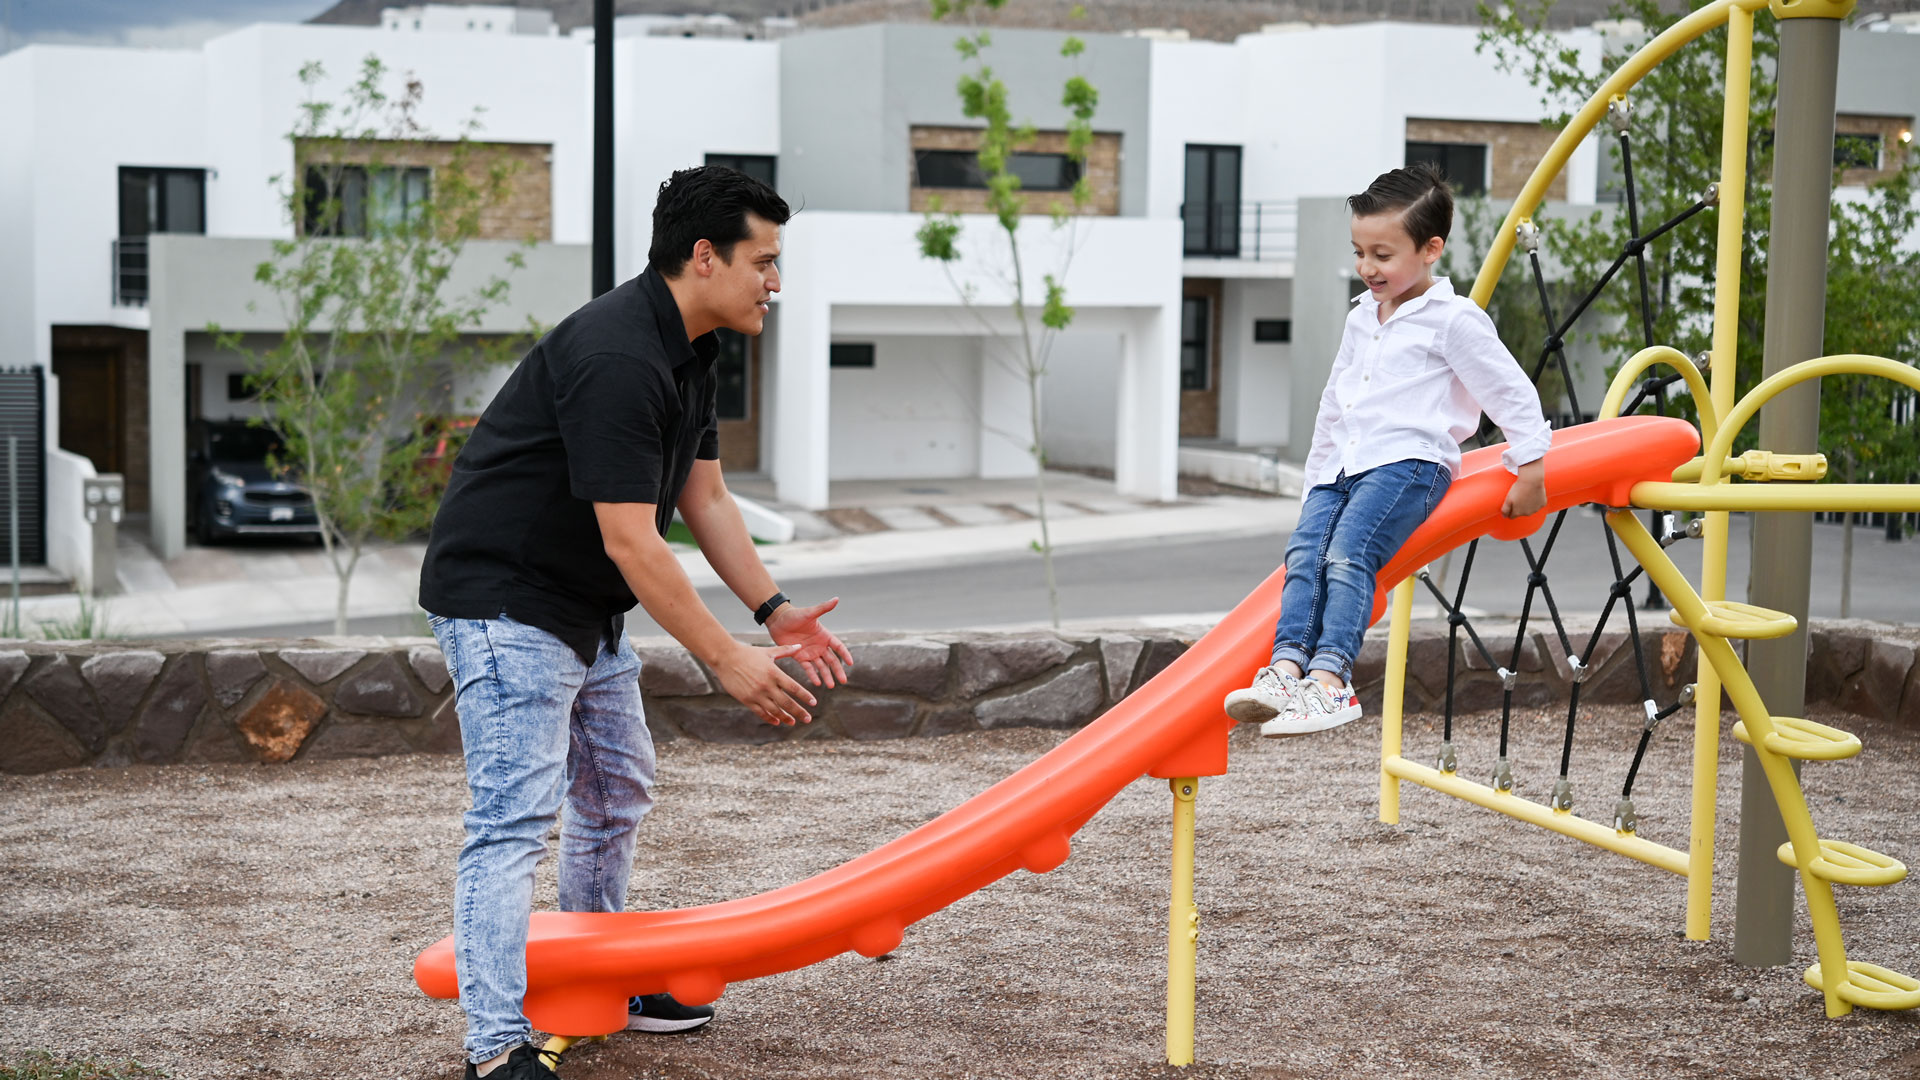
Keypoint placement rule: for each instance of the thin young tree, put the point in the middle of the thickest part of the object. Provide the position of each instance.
(983, 97)
(376, 333)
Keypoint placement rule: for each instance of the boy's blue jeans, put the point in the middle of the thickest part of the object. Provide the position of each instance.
(538, 727)
(1348, 530)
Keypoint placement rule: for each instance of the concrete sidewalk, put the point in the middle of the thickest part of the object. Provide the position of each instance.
(873, 526)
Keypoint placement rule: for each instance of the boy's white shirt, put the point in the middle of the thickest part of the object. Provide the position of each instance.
(1414, 387)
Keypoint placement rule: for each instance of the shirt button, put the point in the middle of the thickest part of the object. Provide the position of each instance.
(1366, 378)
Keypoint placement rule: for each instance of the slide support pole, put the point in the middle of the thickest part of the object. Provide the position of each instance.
(1183, 926)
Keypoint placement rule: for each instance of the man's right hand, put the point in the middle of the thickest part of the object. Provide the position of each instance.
(751, 677)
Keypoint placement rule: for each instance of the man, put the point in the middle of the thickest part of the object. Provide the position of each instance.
(551, 528)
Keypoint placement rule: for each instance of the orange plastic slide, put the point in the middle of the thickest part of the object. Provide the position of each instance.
(581, 968)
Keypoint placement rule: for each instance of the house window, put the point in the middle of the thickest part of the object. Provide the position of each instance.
(346, 200)
(1856, 150)
(733, 372)
(162, 201)
(850, 355)
(1195, 360)
(961, 169)
(1272, 331)
(1211, 213)
(758, 166)
(237, 387)
(1463, 164)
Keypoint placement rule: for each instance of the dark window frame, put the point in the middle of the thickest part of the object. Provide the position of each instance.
(1846, 143)
(1272, 331)
(959, 170)
(1210, 225)
(733, 344)
(1199, 345)
(852, 355)
(353, 222)
(1443, 153)
(155, 177)
(751, 165)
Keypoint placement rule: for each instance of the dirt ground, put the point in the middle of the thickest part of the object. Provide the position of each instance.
(222, 921)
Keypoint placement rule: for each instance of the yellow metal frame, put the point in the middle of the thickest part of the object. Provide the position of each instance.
(1774, 483)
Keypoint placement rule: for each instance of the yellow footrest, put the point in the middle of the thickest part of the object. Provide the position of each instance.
(1732, 620)
(1849, 864)
(1796, 738)
(1872, 986)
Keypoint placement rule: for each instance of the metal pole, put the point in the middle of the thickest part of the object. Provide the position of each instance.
(13, 527)
(1783, 542)
(1183, 927)
(602, 146)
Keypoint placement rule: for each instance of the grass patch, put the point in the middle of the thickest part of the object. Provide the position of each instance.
(678, 533)
(38, 1065)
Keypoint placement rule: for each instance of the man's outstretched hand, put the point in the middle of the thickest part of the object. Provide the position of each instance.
(820, 654)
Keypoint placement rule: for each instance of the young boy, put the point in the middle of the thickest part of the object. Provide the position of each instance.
(1417, 366)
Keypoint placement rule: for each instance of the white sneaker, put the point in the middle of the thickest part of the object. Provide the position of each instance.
(1321, 707)
(1273, 693)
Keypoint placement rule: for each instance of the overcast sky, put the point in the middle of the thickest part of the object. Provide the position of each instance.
(152, 23)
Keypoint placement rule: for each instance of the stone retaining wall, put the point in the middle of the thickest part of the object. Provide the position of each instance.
(64, 704)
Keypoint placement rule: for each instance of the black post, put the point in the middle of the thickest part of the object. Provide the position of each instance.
(602, 146)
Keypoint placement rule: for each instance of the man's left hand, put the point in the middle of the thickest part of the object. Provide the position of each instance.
(822, 655)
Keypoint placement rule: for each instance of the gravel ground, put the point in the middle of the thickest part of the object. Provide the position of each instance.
(226, 921)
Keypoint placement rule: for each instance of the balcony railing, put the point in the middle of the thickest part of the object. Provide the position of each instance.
(130, 271)
(1265, 231)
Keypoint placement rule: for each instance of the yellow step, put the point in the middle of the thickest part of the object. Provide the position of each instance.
(1732, 620)
(1872, 986)
(1849, 864)
(1796, 738)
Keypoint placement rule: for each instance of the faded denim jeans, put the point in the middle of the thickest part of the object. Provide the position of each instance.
(1348, 530)
(539, 728)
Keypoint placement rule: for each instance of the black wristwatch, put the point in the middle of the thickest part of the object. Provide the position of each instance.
(765, 611)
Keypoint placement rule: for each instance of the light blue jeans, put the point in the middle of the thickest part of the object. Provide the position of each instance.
(538, 727)
(1347, 531)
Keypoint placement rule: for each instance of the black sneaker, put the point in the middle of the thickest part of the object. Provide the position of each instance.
(525, 1063)
(660, 1014)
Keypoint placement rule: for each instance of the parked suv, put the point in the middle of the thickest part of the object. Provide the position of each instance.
(233, 491)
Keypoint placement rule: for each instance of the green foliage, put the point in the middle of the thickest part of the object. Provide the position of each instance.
(89, 623)
(375, 332)
(39, 1065)
(1873, 294)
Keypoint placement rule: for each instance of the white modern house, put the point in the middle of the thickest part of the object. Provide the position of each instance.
(1209, 277)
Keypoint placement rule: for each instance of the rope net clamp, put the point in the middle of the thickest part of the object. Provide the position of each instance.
(1508, 679)
(1562, 801)
(1704, 360)
(1625, 821)
(1653, 712)
(1619, 114)
(1503, 775)
(1687, 693)
(1710, 197)
(1581, 672)
(1696, 528)
(1528, 235)
(1448, 763)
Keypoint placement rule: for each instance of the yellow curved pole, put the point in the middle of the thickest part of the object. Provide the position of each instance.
(1843, 364)
(1636, 67)
(1673, 358)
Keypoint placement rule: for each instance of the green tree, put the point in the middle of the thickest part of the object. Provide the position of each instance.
(1674, 121)
(375, 333)
(983, 97)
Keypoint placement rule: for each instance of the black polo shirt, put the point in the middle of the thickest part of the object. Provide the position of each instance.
(612, 405)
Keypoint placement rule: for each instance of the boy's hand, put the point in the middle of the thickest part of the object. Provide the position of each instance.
(1528, 495)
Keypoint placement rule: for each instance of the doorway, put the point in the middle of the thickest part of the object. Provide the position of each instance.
(103, 401)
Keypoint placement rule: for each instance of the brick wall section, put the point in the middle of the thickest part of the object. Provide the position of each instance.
(1512, 150)
(1893, 152)
(1103, 172)
(525, 214)
(67, 704)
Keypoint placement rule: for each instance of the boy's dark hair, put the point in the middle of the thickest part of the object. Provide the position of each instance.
(711, 203)
(1418, 193)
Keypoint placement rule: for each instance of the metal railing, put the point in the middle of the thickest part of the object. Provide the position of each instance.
(130, 271)
(1263, 231)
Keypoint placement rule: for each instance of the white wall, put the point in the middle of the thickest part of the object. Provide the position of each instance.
(916, 412)
(679, 99)
(69, 535)
(1254, 393)
(1080, 398)
(19, 343)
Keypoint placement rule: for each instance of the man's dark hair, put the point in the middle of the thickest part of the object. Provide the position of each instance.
(1418, 193)
(708, 203)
